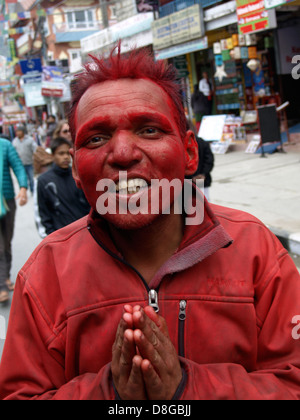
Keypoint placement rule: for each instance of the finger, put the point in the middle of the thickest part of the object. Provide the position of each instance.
(136, 376)
(127, 354)
(118, 344)
(150, 350)
(127, 317)
(128, 308)
(152, 380)
(151, 331)
(128, 312)
(158, 320)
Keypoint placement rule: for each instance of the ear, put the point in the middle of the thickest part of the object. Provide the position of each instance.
(191, 153)
(74, 170)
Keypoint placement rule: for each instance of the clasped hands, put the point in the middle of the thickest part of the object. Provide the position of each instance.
(145, 365)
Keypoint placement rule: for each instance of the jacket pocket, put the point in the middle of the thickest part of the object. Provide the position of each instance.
(181, 327)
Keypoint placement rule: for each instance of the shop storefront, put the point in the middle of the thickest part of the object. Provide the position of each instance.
(238, 49)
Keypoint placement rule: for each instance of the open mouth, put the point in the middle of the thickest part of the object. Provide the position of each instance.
(131, 186)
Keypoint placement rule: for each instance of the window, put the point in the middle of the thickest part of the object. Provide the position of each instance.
(81, 19)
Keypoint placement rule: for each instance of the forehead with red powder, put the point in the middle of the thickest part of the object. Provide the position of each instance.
(140, 96)
(138, 64)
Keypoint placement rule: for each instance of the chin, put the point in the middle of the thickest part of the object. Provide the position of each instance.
(130, 221)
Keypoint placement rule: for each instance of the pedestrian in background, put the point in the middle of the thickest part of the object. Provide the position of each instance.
(206, 162)
(51, 126)
(9, 159)
(200, 106)
(62, 130)
(26, 147)
(42, 132)
(206, 88)
(58, 201)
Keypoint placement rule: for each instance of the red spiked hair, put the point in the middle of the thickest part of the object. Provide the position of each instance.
(138, 64)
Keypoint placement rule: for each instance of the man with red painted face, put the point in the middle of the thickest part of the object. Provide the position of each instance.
(141, 305)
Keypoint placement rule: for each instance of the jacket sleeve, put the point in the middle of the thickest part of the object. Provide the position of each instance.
(17, 166)
(43, 214)
(30, 370)
(277, 374)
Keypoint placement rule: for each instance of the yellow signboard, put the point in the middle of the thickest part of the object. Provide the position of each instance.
(178, 28)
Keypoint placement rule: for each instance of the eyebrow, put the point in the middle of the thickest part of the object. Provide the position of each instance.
(136, 119)
(95, 124)
(150, 118)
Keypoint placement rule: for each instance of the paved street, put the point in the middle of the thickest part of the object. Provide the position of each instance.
(25, 241)
(267, 188)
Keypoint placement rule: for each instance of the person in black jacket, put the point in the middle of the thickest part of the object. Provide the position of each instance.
(200, 105)
(206, 162)
(58, 201)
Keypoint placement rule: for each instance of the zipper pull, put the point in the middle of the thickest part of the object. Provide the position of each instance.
(182, 313)
(153, 300)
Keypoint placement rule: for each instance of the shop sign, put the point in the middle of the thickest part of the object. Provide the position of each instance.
(178, 28)
(138, 41)
(52, 84)
(35, 78)
(33, 95)
(161, 30)
(253, 16)
(23, 44)
(132, 26)
(220, 11)
(96, 41)
(187, 48)
(128, 28)
(33, 65)
(124, 9)
(269, 4)
(181, 65)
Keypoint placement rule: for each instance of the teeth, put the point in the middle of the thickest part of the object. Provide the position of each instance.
(132, 186)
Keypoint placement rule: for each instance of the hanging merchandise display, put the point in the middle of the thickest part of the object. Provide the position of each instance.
(243, 74)
(220, 73)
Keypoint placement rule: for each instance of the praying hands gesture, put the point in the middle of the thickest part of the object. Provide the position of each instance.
(145, 364)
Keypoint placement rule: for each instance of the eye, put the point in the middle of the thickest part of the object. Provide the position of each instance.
(150, 132)
(96, 141)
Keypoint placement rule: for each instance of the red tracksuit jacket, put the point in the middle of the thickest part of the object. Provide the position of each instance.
(230, 296)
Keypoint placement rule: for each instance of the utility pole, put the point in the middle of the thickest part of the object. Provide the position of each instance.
(103, 6)
(41, 29)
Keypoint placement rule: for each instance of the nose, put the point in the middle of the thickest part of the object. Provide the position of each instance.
(124, 151)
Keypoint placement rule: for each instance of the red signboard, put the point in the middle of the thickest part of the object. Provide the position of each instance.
(252, 16)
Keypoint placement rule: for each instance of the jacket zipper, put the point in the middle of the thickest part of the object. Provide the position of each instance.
(181, 327)
(152, 294)
(153, 300)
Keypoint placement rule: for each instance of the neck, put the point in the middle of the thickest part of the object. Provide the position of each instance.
(147, 249)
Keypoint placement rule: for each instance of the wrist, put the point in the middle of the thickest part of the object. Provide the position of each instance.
(181, 386)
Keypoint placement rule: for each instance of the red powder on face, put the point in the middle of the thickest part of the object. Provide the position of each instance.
(127, 126)
(136, 65)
